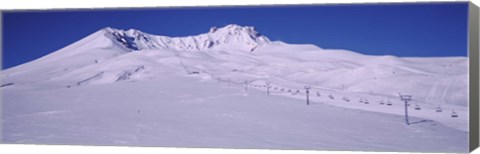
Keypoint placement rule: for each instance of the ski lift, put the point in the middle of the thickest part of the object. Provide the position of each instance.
(361, 100)
(438, 109)
(417, 107)
(365, 101)
(296, 92)
(331, 96)
(346, 99)
(389, 103)
(454, 114)
(382, 102)
(194, 72)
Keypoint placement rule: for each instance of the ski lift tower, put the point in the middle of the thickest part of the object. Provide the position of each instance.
(406, 99)
(246, 85)
(307, 88)
(268, 88)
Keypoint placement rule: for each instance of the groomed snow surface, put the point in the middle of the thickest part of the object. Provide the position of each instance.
(119, 87)
(165, 113)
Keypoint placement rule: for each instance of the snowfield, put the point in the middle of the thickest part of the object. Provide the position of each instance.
(164, 113)
(118, 87)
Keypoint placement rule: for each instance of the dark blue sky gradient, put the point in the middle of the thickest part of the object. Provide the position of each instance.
(416, 30)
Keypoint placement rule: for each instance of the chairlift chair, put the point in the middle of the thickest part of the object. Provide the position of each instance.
(366, 101)
(438, 109)
(331, 96)
(417, 107)
(382, 102)
(389, 103)
(295, 93)
(454, 114)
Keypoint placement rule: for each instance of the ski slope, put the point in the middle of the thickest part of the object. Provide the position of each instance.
(207, 114)
(117, 87)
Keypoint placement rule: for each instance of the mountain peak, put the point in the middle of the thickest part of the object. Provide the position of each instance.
(213, 29)
(237, 29)
(232, 36)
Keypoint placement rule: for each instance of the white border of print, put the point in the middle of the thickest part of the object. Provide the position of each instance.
(62, 4)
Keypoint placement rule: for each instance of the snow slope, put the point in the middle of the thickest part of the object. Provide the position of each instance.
(112, 71)
(188, 112)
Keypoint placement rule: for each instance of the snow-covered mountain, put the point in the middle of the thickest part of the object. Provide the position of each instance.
(241, 53)
(228, 37)
(104, 64)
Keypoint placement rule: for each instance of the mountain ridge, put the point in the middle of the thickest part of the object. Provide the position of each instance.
(111, 55)
(244, 38)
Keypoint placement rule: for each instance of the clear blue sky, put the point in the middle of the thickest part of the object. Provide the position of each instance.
(418, 30)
